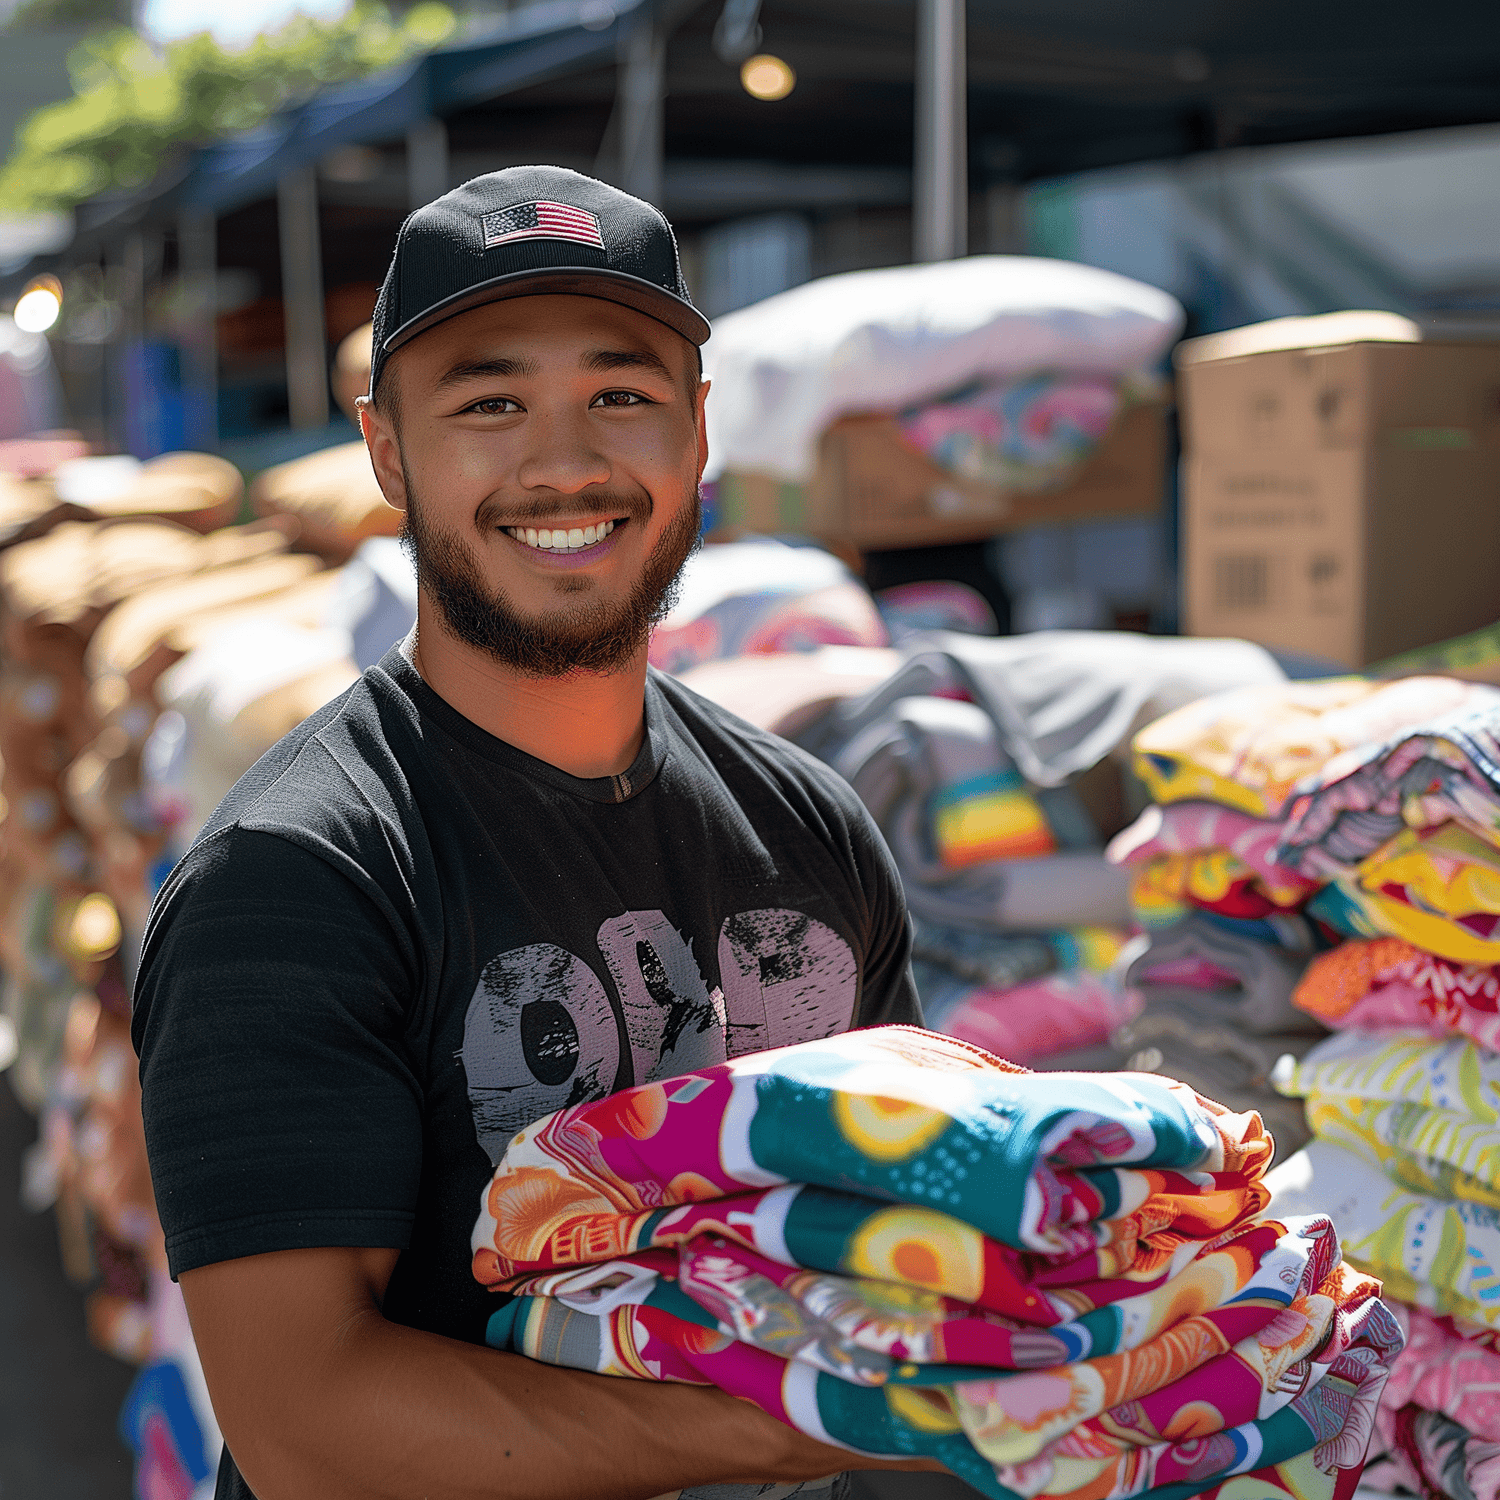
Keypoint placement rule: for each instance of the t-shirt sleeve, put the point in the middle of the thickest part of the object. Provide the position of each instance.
(888, 993)
(281, 1110)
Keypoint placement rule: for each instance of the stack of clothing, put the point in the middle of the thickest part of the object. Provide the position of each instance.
(1277, 832)
(994, 769)
(1059, 1285)
(1404, 1098)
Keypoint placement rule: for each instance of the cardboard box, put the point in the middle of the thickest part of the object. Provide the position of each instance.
(1420, 397)
(872, 491)
(1342, 501)
(1352, 555)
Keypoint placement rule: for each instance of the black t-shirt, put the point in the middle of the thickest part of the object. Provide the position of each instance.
(399, 940)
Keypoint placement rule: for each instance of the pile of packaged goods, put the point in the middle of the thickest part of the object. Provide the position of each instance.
(1057, 1285)
(152, 650)
(1404, 1098)
(917, 405)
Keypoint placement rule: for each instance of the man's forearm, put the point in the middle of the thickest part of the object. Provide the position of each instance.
(321, 1398)
(399, 1413)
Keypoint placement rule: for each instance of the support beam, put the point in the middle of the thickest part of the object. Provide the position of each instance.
(302, 297)
(426, 162)
(642, 87)
(198, 268)
(940, 208)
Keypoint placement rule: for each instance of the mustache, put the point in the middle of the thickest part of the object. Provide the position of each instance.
(631, 505)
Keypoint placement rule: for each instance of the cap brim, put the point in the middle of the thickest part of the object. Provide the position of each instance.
(610, 286)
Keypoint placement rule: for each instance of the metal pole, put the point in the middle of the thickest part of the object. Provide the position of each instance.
(131, 424)
(426, 162)
(302, 298)
(198, 267)
(643, 68)
(940, 208)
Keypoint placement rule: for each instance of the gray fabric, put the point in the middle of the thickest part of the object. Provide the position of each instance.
(1025, 895)
(1262, 1006)
(910, 748)
(1062, 700)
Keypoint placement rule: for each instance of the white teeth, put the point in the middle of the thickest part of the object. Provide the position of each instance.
(555, 539)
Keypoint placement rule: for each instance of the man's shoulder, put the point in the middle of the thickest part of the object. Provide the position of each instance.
(343, 768)
(713, 726)
(738, 749)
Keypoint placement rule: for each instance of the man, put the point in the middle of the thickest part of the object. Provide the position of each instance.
(510, 869)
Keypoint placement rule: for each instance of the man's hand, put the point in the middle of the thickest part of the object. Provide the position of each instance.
(320, 1398)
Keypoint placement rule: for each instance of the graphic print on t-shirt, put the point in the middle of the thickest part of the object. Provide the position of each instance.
(543, 1031)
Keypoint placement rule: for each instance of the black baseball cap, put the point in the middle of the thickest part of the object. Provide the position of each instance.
(527, 232)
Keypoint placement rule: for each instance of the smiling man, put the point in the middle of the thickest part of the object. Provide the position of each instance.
(510, 869)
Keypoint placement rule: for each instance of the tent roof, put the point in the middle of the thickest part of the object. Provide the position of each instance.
(1056, 86)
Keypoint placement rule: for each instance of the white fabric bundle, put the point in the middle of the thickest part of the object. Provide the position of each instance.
(878, 341)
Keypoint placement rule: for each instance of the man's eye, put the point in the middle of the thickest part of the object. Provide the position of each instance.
(619, 398)
(495, 406)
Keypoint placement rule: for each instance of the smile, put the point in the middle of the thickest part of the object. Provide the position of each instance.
(555, 539)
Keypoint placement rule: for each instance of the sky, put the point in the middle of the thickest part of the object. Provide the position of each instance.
(231, 24)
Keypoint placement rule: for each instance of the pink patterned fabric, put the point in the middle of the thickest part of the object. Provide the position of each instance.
(1025, 1022)
(1198, 827)
(1440, 1371)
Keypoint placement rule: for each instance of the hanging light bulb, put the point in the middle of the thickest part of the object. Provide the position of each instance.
(38, 307)
(767, 77)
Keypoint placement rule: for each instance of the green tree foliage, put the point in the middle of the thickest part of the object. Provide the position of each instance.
(133, 104)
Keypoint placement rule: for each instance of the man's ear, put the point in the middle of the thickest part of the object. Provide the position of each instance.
(385, 453)
(703, 386)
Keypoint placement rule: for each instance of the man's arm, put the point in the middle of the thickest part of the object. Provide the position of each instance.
(320, 1398)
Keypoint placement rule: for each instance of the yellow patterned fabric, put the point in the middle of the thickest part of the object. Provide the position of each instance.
(1249, 748)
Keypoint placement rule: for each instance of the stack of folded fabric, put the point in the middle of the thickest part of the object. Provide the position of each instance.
(1404, 1102)
(995, 769)
(1277, 831)
(1404, 1098)
(1053, 1284)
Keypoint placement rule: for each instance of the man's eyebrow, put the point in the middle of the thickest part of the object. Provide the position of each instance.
(486, 369)
(600, 360)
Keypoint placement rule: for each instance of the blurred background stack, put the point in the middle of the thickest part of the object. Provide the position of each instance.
(1104, 435)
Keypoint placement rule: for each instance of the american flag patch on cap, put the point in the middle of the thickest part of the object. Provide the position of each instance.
(541, 221)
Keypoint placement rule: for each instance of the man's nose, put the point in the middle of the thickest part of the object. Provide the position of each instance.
(560, 454)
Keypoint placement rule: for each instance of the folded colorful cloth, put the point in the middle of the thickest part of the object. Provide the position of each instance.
(1027, 1022)
(1248, 749)
(1441, 1371)
(1028, 434)
(1444, 770)
(1439, 889)
(901, 1245)
(892, 1113)
(1219, 848)
(1437, 1457)
(1441, 1255)
(1343, 1336)
(1387, 982)
(1424, 1111)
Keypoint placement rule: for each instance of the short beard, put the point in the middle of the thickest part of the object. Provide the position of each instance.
(596, 637)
